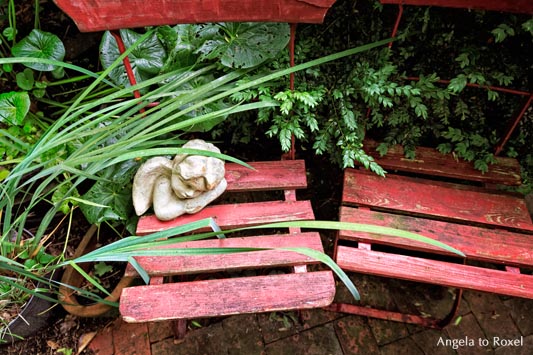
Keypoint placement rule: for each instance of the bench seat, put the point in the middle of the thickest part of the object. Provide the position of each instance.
(226, 296)
(439, 197)
(441, 200)
(431, 162)
(197, 286)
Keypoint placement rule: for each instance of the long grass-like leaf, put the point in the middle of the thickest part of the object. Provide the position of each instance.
(359, 227)
(326, 260)
(89, 278)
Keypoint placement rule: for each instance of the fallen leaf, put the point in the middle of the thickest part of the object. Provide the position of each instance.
(84, 340)
(52, 344)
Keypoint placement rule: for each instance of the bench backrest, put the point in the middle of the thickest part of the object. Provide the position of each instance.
(430, 162)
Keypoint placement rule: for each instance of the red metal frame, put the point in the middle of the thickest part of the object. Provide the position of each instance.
(395, 316)
(519, 6)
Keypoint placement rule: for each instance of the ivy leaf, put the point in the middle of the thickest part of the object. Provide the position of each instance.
(40, 44)
(101, 268)
(14, 106)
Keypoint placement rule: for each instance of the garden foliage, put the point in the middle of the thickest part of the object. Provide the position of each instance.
(395, 95)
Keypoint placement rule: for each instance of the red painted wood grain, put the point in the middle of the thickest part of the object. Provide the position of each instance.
(435, 200)
(213, 298)
(434, 272)
(99, 15)
(484, 244)
(429, 161)
(179, 265)
(235, 215)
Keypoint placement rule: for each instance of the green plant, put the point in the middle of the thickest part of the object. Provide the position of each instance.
(92, 136)
(126, 249)
(108, 134)
(375, 94)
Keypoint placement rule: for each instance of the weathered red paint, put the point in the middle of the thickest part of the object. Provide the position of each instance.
(434, 272)
(179, 265)
(519, 6)
(221, 297)
(99, 15)
(216, 297)
(267, 175)
(485, 224)
(428, 161)
(438, 200)
(235, 215)
(477, 243)
(284, 175)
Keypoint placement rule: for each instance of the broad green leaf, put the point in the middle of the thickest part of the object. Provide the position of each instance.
(146, 59)
(25, 79)
(110, 197)
(14, 106)
(182, 41)
(40, 44)
(247, 45)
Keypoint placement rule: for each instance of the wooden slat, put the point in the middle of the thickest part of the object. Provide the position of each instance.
(431, 162)
(519, 6)
(268, 175)
(434, 272)
(214, 298)
(179, 265)
(101, 15)
(235, 215)
(491, 245)
(443, 201)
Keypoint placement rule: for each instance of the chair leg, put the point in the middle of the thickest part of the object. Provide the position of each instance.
(180, 328)
(397, 316)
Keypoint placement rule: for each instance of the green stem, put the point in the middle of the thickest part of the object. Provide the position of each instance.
(12, 16)
(36, 19)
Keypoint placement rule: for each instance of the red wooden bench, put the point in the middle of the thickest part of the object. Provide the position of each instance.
(213, 297)
(487, 225)
(217, 297)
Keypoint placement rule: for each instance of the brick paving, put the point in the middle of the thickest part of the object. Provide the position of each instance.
(488, 324)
